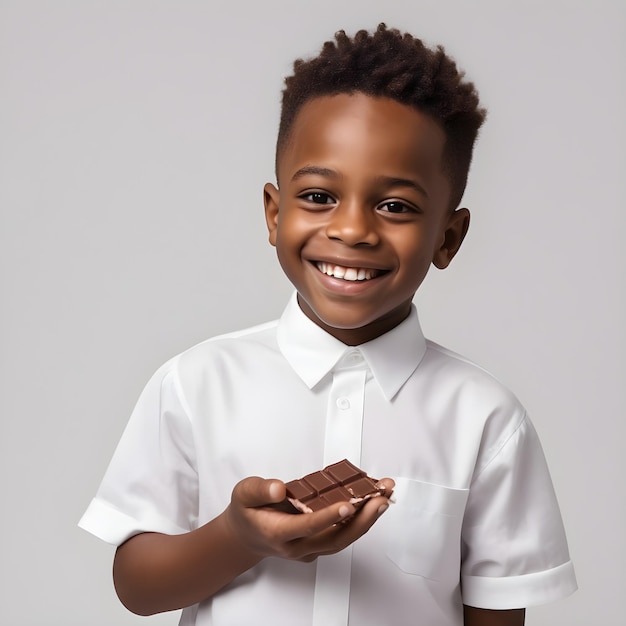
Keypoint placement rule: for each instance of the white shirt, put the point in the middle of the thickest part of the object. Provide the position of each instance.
(475, 509)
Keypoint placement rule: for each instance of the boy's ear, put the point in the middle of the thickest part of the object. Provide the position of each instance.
(455, 230)
(271, 200)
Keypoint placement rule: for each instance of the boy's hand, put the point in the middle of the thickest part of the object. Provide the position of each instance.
(154, 572)
(304, 537)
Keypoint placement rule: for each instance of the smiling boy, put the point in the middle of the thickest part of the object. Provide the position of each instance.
(373, 151)
(363, 210)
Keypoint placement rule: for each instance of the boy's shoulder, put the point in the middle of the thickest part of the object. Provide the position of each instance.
(217, 359)
(259, 333)
(464, 378)
(454, 359)
(245, 342)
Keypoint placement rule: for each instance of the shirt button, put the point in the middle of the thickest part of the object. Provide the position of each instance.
(343, 403)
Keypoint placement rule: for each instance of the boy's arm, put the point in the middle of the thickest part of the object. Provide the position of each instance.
(485, 617)
(154, 573)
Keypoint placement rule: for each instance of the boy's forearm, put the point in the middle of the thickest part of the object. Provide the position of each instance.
(485, 617)
(154, 573)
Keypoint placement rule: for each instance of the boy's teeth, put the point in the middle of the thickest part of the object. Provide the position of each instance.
(346, 273)
(351, 274)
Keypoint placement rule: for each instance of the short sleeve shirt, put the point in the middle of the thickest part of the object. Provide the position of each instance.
(475, 519)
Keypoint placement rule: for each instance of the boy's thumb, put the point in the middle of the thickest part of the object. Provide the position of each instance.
(256, 491)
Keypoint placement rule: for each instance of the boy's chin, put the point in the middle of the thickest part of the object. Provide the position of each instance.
(355, 326)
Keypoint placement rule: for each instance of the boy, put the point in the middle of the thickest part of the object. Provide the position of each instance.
(374, 146)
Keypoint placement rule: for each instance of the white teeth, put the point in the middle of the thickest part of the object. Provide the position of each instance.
(346, 273)
(338, 272)
(351, 274)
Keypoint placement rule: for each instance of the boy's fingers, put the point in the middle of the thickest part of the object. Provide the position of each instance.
(389, 484)
(304, 525)
(301, 536)
(255, 491)
(343, 535)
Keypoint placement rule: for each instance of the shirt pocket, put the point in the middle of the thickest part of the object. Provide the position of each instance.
(424, 529)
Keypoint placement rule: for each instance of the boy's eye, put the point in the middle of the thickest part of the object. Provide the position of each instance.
(317, 197)
(395, 206)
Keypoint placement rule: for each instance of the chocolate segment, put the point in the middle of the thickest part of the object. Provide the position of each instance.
(339, 482)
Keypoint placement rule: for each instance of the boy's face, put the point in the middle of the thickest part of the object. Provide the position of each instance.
(362, 211)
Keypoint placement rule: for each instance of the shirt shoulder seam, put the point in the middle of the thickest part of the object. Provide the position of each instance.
(500, 448)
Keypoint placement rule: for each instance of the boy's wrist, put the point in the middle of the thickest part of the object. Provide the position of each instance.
(243, 554)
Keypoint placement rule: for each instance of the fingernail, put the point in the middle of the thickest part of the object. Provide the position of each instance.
(274, 491)
(382, 508)
(344, 511)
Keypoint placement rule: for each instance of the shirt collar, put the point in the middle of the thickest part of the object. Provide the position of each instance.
(313, 353)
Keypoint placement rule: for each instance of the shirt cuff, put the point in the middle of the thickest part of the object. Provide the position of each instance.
(518, 592)
(115, 527)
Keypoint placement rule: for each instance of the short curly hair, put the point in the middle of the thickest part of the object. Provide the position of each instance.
(387, 63)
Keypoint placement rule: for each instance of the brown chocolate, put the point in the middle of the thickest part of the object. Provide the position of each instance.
(339, 482)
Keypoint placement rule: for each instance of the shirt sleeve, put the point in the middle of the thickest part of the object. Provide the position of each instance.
(515, 551)
(151, 484)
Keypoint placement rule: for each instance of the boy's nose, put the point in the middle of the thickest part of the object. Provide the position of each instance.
(353, 224)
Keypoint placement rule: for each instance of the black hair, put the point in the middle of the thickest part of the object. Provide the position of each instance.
(387, 63)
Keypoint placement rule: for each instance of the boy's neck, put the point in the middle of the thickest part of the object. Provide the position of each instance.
(358, 336)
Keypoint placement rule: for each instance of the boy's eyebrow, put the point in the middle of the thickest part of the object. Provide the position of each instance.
(387, 181)
(315, 170)
(393, 181)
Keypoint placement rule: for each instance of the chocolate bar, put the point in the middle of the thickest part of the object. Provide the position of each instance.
(339, 482)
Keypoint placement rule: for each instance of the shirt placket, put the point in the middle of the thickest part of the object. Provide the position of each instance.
(344, 420)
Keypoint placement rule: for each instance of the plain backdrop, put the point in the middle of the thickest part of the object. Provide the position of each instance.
(135, 138)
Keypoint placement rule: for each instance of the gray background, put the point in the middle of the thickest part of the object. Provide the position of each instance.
(135, 137)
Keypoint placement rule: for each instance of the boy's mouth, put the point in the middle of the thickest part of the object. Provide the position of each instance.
(347, 273)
